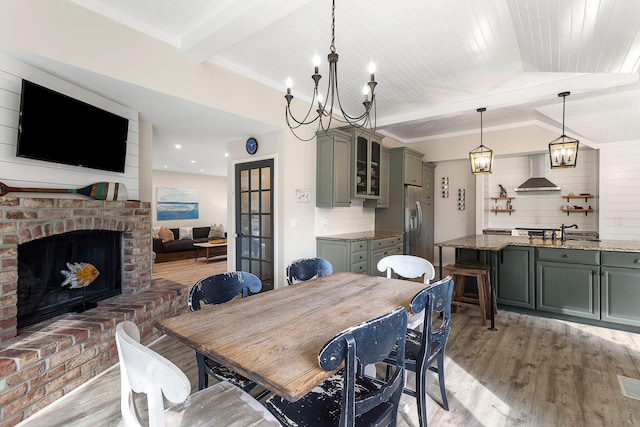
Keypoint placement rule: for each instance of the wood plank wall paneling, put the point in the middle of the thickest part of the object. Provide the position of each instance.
(543, 209)
(620, 190)
(20, 172)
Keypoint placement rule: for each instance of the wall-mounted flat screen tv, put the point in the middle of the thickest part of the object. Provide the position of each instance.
(57, 128)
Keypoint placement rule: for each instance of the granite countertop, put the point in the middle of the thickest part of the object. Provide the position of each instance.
(496, 243)
(362, 235)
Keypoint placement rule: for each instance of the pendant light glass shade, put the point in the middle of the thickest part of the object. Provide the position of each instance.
(563, 151)
(482, 157)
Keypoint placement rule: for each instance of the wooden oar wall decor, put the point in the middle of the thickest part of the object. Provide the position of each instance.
(98, 191)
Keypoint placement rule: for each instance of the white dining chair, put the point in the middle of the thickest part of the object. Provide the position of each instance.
(142, 370)
(408, 267)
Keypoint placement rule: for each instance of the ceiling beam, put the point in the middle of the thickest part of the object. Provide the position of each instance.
(237, 21)
(576, 83)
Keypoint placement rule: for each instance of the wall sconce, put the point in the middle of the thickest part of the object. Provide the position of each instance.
(445, 186)
(461, 199)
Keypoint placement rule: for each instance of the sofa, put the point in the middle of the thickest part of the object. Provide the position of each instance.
(181, 246)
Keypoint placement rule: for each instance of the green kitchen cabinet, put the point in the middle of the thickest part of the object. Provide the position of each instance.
(516, 277)
(568, 282)
(352, 256)
(381, 248)
(620, 288)
(333, 169)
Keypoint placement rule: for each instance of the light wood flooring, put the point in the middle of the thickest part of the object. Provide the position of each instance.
(532, 371)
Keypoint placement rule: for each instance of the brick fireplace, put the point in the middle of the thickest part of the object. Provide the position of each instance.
(42, 362)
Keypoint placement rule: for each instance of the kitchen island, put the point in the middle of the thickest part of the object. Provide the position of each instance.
(577, 279)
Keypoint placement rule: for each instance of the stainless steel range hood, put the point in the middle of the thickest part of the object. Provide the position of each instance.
(537, 182)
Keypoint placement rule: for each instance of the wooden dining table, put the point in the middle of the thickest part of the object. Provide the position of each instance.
(273, 338)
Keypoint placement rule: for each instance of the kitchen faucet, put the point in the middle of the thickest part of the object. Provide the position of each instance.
(564, 227)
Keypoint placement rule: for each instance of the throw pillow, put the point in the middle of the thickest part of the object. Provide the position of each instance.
(154, 232)
(186, 233)
(165, 234)
(216, 231)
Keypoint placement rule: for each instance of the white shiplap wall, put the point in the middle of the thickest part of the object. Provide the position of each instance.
(21, 172)
(620, 191)
(355, 218)
(543, 209)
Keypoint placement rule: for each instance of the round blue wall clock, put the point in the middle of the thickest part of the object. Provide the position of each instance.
(252, 146)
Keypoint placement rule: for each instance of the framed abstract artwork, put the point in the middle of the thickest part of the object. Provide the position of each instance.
(177, 203)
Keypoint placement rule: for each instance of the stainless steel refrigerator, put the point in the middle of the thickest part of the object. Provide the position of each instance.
(411, 210)
(418, 222)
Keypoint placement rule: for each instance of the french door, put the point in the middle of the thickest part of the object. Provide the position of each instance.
(254, 219)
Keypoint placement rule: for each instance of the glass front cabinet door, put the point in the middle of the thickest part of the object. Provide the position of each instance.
(367, 177)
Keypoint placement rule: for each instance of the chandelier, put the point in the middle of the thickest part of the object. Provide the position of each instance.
(563, 151)
(481, 158)
(324, 106)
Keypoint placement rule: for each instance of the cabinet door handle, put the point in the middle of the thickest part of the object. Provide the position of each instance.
(565, 256)
(636, 261)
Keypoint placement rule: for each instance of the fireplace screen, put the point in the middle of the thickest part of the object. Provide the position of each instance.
(67, 272)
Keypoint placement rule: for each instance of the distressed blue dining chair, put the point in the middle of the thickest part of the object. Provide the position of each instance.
(425, 348)
(218, 289)
(348, 397)
(307, 268)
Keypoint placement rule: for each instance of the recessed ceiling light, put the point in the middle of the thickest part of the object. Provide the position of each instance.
(178, 146)
(193, 161)
(226, 154)
(165, 166)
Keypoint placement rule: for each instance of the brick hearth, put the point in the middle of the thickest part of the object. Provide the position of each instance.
(43, 362)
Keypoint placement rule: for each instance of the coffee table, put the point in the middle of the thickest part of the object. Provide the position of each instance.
(212, 250)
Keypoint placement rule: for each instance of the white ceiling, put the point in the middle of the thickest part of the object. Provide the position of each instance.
(436, 63)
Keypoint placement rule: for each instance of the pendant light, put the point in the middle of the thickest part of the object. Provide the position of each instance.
(563, 151)
(482, 157)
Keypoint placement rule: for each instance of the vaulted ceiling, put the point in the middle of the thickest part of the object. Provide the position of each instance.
(436, 61)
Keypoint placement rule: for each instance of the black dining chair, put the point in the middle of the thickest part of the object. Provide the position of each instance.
(218, 289)
(307, 268)
(426, 347)
(348, 397)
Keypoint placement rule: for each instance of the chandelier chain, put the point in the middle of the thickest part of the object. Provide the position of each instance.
(333, 27)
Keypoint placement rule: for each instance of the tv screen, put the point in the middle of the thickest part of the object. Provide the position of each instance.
(57, 128)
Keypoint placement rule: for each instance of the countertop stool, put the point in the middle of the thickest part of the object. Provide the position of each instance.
(461, 298)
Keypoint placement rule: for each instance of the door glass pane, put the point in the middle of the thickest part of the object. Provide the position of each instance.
(244, 180)
(255, 201)
(255, 248)
(266, 226)
(266, 269)
(246, 265)
(255, 179)
(245, 241)
(244, 226)
(255, 225)
(266, 202)
(244, 203)
(266, 178)
(266, 255)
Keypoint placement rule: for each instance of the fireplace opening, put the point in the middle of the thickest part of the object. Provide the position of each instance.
(67, 272)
